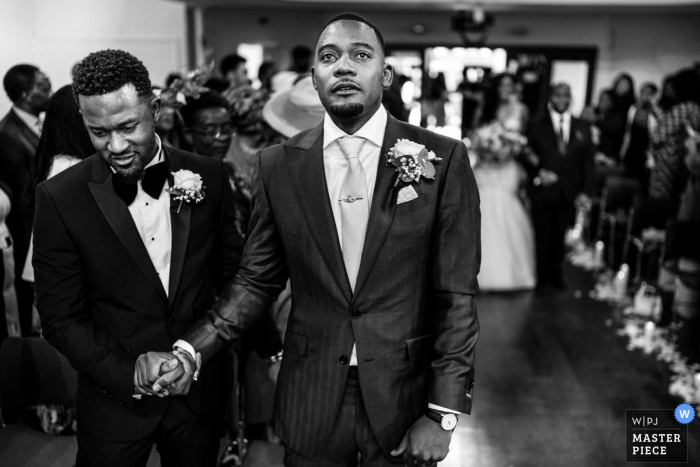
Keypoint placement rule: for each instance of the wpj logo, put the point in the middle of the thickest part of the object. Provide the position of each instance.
(658, 435)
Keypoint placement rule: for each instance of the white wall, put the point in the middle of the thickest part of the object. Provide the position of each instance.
(56, 34)
(648, 44)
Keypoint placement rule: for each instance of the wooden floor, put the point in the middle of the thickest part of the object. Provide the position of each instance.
(552, 384)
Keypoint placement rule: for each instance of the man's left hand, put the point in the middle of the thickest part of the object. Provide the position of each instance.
(425, 443)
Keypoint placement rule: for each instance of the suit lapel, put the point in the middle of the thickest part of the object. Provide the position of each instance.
(307, 172)
(381, 214)
(31, 138)
(180, 225)
(119, 218)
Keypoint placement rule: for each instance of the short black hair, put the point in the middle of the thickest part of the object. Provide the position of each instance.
(349, 16)
(231, 62)
(206, 100)
(18, 80)
(652, 86)
(109, 70)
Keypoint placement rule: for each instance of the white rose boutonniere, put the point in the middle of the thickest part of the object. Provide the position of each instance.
(188, 187)
(412, 160)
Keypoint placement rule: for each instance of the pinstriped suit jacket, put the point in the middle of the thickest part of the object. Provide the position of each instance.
(412, 314)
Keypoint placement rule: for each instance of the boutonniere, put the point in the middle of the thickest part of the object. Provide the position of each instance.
(412, 161)
(187, 187)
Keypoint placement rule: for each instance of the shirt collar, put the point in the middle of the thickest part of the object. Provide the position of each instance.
(32, 121)
(159, 155)
(373, 130)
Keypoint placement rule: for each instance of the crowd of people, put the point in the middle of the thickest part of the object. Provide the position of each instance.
(530, 188)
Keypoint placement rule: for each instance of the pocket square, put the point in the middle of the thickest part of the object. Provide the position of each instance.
(406, 194)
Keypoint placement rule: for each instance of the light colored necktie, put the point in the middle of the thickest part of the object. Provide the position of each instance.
(562, 141)
(354, 207)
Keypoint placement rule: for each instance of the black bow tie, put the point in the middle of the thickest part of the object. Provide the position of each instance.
(152, 183)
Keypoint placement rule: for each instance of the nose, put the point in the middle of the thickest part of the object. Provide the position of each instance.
(344, 66)
(117, 143)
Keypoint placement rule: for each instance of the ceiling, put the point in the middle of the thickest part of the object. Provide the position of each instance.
(617, 5)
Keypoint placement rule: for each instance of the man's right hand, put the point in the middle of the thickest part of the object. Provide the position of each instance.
(548, 177)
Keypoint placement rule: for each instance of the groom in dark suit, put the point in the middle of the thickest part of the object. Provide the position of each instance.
(562, 178)
(379, 350)
(123, 267)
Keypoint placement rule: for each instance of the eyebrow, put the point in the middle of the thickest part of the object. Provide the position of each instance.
(354, 44)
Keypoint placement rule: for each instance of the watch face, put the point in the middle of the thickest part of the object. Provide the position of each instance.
(449, 422)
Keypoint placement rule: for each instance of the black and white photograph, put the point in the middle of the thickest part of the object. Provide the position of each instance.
(349, 233)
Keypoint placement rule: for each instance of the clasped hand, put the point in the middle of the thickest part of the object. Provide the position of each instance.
(165, 373)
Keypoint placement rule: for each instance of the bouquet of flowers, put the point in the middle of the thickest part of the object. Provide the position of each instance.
(191, 86)
(494, 143)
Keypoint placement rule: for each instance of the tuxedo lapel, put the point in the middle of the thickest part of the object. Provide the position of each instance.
(180, 225)
(381, 214)
(119, 218)
(306, 170)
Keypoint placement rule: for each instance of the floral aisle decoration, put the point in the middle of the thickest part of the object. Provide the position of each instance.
(496, 144)
(646, 336)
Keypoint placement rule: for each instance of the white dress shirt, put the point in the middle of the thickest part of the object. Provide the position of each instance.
(557, 122)
(32, 121)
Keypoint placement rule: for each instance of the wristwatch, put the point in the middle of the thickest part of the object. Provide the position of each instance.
(447, 421)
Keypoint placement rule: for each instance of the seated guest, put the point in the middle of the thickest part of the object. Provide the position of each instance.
(29, 90)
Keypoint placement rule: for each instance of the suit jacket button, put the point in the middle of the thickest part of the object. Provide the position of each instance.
(343, 359)
(356, 314)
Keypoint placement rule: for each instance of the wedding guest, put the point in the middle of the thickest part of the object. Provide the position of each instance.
(433, 102)
(300, 58)
(233, 69)
(208, 125)
(9, 312)
(690, 203)
(611, 122)
(355, 381)
(670, 173)
(251, 131)
(642, 121)
(63, 143)
(29, 89)
(623, 89)
(562, 178)
(123, 267)
(266, 71)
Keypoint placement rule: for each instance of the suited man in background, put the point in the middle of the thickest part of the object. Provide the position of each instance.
(562, 178)
(379, 348)
(29, 90)
(122, 267)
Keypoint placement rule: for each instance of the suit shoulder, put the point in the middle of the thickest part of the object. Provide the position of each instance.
(431, 140)
(65, 183)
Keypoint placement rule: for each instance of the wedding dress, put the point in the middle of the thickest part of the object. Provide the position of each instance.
(507, 236)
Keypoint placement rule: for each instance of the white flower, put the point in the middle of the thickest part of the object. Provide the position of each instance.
(187, 180)
(431, 155)
(408, 148)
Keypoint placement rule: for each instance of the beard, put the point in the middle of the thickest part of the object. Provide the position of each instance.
(132, 174)
(345, 111)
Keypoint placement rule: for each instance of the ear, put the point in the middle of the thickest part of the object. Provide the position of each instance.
(156, 104)
(388, 76)
(313, 77)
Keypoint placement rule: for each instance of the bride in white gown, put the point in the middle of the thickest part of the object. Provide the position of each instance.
(507, 237)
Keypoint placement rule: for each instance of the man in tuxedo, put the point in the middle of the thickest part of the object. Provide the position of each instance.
(379, 348)
(29, 90)
(562, 178)
(123, 267)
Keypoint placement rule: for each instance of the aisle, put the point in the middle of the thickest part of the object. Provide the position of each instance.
(552, 384)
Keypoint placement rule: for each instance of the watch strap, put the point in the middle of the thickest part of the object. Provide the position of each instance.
(434, 415)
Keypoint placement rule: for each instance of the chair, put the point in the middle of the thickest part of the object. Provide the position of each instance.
(34, 373)
(616, 202)
(646, 213)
